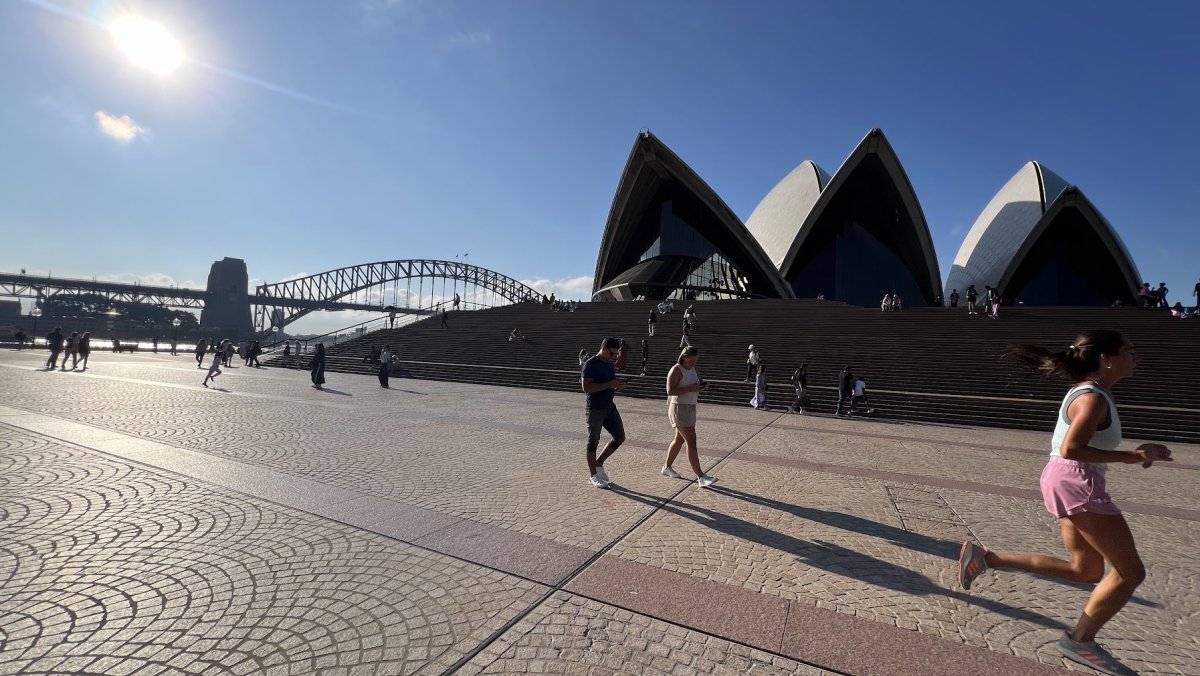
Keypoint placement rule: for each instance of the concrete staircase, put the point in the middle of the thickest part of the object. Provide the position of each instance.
(936, 365)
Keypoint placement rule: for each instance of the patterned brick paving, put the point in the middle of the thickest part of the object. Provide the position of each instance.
(110, 566)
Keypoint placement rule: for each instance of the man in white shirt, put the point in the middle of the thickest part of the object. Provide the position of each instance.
(860, 395)
(751, 364)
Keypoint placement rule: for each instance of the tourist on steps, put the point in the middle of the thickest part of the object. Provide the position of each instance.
(645, 354)
(1086, 436)
(971, 297)
(759, 401)
(751, 364)
(684, 386)
(652, 321)
(800, 384)
(845, 389)
(598, 379)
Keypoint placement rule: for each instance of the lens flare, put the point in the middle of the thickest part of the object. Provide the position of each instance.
(147, 44)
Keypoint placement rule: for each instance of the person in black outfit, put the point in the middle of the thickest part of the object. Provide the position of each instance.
(645, 354)
(54, 340)
(954, 298)
(845, 388)
(654, 319)
(317, 368)
(20, 336)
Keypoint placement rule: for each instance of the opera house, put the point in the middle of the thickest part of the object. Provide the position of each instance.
(852, 236)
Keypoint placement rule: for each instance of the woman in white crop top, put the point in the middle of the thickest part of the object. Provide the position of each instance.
(1086, 437)
(684, 386)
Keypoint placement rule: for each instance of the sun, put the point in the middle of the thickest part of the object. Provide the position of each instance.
(147, 44)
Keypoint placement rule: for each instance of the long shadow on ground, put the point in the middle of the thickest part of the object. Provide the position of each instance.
(840, 560)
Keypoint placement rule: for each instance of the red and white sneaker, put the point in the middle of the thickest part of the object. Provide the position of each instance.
(971, 563)
(1091, 654)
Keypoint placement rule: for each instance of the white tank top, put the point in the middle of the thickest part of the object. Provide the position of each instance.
(690, 377)
(1108, 434)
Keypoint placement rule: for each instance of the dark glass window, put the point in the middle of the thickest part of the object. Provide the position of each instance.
(1068, 265)
(864, 245)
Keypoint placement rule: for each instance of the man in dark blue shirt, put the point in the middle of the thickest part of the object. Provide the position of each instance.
(599, 380)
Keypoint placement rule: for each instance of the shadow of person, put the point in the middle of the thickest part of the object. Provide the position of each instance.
(835, 558)
(344, 394)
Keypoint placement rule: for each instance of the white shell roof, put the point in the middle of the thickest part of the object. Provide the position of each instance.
(1003, 227)
(778, 217)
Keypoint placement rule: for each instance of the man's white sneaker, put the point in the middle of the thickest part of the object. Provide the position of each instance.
(706, 481)
(598, 482)
(667, 471)
(602, 474)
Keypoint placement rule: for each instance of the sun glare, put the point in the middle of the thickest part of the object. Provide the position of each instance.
(147, 44)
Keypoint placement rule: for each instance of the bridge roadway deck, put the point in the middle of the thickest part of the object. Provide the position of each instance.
(265, 527)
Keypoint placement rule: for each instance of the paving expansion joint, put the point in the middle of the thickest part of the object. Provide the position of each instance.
(562, 584)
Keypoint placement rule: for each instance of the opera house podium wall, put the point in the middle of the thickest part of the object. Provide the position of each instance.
(932, 365)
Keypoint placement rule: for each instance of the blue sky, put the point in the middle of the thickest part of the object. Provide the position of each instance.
(304, 136)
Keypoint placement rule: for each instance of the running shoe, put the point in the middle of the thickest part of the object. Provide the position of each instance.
(602, 474)
(1091, 654)
(706, 481)
(598, 482)
(971, 563)
(669, 472)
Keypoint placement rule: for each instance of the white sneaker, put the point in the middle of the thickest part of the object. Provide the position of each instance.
(602, 474)
(706, 481)
(667, 471)
(598, 482)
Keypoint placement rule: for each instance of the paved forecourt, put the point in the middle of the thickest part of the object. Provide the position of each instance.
(264, 526)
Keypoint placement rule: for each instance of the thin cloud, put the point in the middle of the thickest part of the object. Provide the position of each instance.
(476, 39)
(122, 128)
(578, 288)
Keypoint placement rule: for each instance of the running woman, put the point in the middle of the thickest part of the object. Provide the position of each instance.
(215, 369)
(1085, 440)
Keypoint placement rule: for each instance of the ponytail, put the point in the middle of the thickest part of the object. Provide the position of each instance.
(1079, 360)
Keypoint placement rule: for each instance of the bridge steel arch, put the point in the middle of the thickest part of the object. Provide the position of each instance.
(334, 284)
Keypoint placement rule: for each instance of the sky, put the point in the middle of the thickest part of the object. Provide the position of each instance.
(306, 135)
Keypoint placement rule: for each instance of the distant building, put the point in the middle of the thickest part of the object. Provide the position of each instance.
(1040, 241)
(851, 237)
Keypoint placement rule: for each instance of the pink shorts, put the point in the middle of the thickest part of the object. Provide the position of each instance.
(1070, 487)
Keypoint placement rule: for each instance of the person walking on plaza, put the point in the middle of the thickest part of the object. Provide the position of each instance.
(201, 348)
(174, 347)
(287, 348)
(317, 367)
(20, 336)
(800, 384)
(71, 351)
(971, 296)
(652, 321)
(385, 365)
(599, 381)
(759, 401)
(684, 386)
(155, 344)
(255, 350)
(85, 347)
(228, 351)
(751, 364)
(54, 341)
(845, 388)
(214, 369)
(1086, 436)
(687, 332)
(645, 354)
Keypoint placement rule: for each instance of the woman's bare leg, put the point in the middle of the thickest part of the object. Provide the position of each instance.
(673, 448)
(1109, 534)
(1086, 564)
(693, 455)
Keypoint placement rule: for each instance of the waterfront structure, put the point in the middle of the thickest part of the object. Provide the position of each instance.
(669, 235)
(1040, 241)
(852, 237)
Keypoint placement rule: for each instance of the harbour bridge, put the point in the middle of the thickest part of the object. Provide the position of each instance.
(410, 286)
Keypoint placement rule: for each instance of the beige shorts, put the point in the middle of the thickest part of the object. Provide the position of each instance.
(681, 415)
